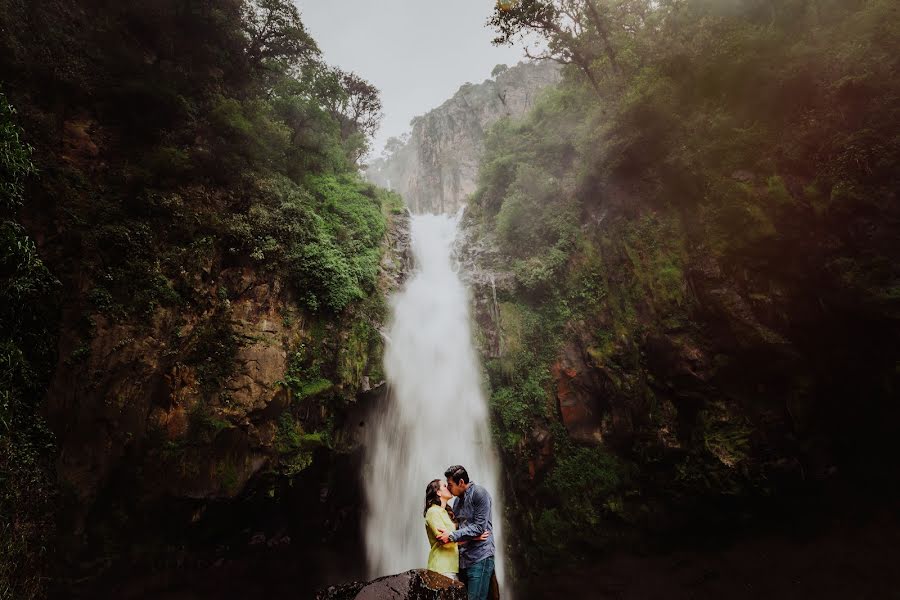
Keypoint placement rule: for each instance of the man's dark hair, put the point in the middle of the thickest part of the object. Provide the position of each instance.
(457, 473)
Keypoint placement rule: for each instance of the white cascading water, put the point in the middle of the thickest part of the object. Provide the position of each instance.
(436, 415)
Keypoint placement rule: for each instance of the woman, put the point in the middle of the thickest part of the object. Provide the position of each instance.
(443, 558)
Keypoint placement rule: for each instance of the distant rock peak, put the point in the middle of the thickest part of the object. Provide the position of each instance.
(435, 169)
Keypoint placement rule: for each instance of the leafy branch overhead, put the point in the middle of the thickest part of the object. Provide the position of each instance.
(592, 35)
(278, 43)
(275, 34)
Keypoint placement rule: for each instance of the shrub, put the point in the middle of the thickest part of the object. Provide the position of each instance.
(248, 134)
(325, 234)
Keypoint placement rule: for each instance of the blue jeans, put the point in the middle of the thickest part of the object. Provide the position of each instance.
(477, 578)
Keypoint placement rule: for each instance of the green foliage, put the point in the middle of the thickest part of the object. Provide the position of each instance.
(393, 203)
(304, 374)
(28, 305)
(249, 134)
(276, 34)
(213, 349)
(520, 404)
(15, 160)
(295, 446)
(326, 235)
(204, 425)
(728, 127)
(316, 145)
(653, 245)
(521, 396)
(359, 350)
(526, 185)
(583, 492)
(737, 224)
(533, 214)
(130, 278)
(546, 140)
(718, 461)
(201, 125)
(694, 149)
(540, 272)
(584, 477)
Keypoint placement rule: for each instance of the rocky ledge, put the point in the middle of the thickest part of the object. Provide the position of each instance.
(417, 584)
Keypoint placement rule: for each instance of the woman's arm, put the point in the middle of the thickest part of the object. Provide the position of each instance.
(434, 522)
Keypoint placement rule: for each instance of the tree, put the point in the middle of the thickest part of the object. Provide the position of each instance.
(394, 144)
(362, 105)
(589, 34)
(275, 34)
(355, 104)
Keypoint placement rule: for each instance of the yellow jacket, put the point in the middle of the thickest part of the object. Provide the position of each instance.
(443, 559)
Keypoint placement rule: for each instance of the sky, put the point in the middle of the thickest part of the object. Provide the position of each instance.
(417, 52)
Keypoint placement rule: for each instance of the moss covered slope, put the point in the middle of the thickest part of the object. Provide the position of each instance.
(696, 268)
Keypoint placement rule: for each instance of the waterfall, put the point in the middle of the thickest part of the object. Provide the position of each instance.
(436, 415)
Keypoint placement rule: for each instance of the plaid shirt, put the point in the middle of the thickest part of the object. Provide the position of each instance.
(473, 511)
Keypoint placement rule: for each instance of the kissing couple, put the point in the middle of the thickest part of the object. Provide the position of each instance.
(462, 547)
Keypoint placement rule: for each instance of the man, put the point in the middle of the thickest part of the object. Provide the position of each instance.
(473, 511)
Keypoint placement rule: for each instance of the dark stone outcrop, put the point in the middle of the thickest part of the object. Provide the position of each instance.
(417, 584)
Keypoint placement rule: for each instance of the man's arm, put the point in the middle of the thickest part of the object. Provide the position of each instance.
(477, 525)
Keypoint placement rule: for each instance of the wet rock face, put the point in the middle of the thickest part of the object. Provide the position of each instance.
(485, 273)
(192, 398)
(418, 584)
(140, 384)
(436, 169)
(581, 407)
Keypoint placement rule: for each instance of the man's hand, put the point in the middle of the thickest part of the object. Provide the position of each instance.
(480, 538)
(444, 537)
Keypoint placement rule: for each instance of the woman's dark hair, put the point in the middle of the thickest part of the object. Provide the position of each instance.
(432, 498)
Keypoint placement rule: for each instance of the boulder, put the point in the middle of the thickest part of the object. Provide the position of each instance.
(418, 584)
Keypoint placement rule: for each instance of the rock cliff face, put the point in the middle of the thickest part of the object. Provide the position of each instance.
(186, 423)
(137, 395)
(719, 394)
(225, 423)
(435, 170)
